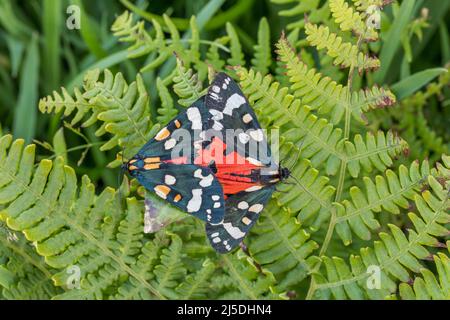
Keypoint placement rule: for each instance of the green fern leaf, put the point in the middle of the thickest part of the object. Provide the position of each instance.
(262, 57)
(388, 193)
(321, 142)
(72, 226)
(248, 280)
(282, 246)
(123, 109)
(186, 85)
(344, 53)
(350, 20)
(23, 273)
(167, 111)
(324, 94)
(237, 56)
(428, 286)
(394, 254)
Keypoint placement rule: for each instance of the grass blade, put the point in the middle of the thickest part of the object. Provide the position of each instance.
(411, 84)
(26, 109)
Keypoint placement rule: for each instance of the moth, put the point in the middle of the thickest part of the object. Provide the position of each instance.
(213, 161)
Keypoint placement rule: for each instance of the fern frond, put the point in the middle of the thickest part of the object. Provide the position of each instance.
(363, 5)
(282, 246)
(350, 20)
(321, 142)
(23, 273)
(125, 29)
(389, 193)
(213, 55)
(396, 255)
(197, 285)
(324, 94)
(376, 152)
(237, 56)
(318, 11)
(186, 85)
(311, 195)
(345, 54)
(319, 138)
(167, 111)
(73, 226)
(430, 287)
(262, 57)
(248, 280)
(122, 109)
(162, 47)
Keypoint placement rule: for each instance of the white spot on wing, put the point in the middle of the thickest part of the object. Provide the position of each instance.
(215, 197)
(243, 205)
(196, 201)
(194, 116)
(233, 102)
(253, 161)
(216, 205)
(215, 234)
(243, 137)
(170, 144)
(257, 135)
(216, 89)
(205, 181)
(216, 240)
(169, 180)
(253, 188)
(235, 232)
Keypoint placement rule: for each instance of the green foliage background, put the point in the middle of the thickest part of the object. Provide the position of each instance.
(367, 110)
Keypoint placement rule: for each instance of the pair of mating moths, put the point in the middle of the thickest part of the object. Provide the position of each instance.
(224, 184)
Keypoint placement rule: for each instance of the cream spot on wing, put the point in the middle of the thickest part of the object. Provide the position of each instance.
(246, 221)
(233, 102)
(243, 205)
(170, 144)
(256, 208)
(253, 188)
(247, 118)
(257, 135)
(235, 232)
(196, 201)
(169, 180)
